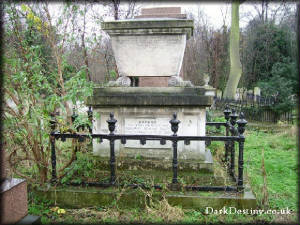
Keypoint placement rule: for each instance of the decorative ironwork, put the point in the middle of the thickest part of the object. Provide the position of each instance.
(241, 129)
(174, 127)
(233, 117)
(111, 123)
(162, 141)
(236, 136)
(233, 131)
(241, 124)
(174, 124)
(227, 112)
(90, 117)
(112, 161)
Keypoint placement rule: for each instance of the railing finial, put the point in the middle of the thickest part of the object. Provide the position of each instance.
(52, 122)
(241, 124)
(233, 117)
(174, 124)
(227, 112)
(111, 123)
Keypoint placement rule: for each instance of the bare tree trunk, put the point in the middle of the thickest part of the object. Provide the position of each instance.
(235, 64)
(298, 40)
(116, 4)
(86, 62)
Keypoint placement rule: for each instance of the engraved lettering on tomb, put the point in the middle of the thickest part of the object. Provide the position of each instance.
(150, 126)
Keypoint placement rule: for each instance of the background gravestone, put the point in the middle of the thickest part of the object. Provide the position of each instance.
(13, 196)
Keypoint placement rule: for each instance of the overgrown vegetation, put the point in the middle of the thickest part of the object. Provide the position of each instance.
(280, 163)
(269, 61)
(38, 81)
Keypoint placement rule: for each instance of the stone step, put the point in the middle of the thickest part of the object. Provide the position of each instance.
(78, 197)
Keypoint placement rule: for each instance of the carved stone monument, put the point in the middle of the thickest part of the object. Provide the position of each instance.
(152, 48)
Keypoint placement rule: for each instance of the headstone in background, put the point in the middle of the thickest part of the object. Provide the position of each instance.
(245, 91)
(219, 94)
(13, 196)
(256, 93)
(241, 92)
(250, 95)
(237, 94)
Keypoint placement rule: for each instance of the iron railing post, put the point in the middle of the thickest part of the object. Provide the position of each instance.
(241, 129)
(73, 118)
(112, 162)
(227, 112)
(174, 127)
(90, 117)
(53, 153)
(233, 117)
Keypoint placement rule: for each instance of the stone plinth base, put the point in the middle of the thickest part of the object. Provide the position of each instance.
(148, 111)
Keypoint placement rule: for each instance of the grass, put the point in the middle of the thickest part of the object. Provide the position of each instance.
(280, 158)
(280, 162)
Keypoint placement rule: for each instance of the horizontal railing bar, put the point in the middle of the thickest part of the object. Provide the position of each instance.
(150, 137)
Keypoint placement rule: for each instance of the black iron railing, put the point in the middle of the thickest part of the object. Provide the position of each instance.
(236, 136)
(256, 108)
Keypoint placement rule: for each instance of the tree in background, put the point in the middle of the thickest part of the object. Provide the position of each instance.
(266, 44)
(269, 58)
(235, 64)
(206, 52)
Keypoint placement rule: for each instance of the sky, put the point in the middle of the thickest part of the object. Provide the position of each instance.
(215, 13)
(211, 10)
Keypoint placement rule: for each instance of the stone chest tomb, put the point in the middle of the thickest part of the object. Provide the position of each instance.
(150, 48)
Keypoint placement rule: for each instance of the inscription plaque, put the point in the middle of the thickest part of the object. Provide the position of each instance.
(155, 126)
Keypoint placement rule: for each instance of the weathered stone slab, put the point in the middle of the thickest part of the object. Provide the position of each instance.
(149, 47)
(168, 15)
(151, 25)
(160, 10)
(13, 200)
(149, 55)
(154, 96)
